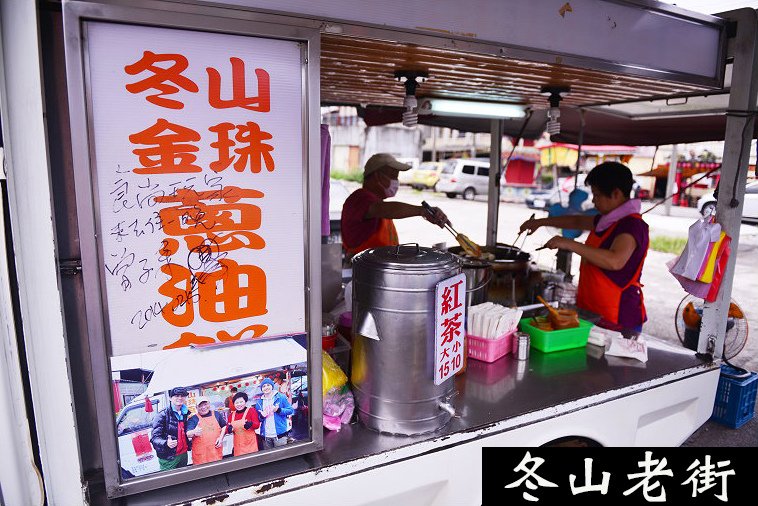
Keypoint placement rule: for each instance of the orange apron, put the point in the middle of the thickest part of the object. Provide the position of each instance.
(385, 235)
(596, 291)
(245, 441)
(204, 446)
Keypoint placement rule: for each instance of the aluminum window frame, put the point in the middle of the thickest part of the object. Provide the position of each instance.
(76, 15)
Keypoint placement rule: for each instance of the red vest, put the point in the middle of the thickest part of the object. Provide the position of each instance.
(385, 235)
(596, 291)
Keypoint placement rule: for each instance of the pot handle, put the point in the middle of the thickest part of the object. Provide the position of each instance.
(397, 248)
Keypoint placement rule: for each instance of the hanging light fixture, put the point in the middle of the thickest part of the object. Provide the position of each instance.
(469, 108)
(411, 80)
(554, 95)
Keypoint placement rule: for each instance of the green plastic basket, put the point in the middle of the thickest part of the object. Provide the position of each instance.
(557, 340)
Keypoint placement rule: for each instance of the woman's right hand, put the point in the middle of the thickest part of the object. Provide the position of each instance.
(530, 226)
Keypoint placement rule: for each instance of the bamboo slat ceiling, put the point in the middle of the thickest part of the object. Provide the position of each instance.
(359, 71)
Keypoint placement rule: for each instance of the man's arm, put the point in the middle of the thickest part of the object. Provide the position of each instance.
(158, 435)
(393, 210)
(400, 210)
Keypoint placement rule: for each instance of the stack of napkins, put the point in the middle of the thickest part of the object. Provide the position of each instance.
(491, 321)
(602, 337)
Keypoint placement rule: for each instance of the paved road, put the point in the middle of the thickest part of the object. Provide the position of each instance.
(662, 292)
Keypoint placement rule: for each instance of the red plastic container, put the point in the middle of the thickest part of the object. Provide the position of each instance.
(328, 342)
(488, 350)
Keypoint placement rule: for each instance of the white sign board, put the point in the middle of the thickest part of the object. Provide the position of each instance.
(199, 185)
(449, 327)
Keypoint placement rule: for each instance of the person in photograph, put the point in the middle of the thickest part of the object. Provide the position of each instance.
(229, 402)
(243, 420)
(273, 409)
(206, 430)
(169, 434)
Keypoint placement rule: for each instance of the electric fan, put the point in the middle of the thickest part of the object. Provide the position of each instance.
(688, 318)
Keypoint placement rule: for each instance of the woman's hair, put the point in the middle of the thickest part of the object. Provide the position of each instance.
(609, 176)
(239, 395)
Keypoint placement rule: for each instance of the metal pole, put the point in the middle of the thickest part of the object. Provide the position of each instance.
(579, 147)
(672, 176)
(493, 194)
(434, 143)
(740, 123)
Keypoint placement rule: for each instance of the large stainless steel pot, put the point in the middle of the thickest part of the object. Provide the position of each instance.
(393, 339)
(510, 274)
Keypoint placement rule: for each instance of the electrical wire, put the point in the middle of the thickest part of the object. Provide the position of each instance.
(683, 188)
(734, 202)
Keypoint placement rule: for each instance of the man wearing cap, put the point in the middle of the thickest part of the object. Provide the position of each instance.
(169, 435)
(367, 218)
(204, 429)
(273, 409)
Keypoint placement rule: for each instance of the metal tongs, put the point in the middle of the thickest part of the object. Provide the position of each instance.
(514, 248)
(470, 247)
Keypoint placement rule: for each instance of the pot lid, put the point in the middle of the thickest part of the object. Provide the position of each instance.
(409, 256)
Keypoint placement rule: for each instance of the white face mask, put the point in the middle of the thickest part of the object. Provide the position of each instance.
(391, 190)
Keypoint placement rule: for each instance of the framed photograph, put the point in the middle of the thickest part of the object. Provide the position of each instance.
(195, 139)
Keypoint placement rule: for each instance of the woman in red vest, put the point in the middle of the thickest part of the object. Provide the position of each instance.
(242, 424)
(367, 217)
(615, 251)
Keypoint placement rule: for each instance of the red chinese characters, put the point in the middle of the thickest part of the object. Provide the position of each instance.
(212, 282)
(449, 332)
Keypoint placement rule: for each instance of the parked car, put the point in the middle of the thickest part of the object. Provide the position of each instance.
(541, 199)
(468, 177)
(427, 175)
(406, 176)
(707, 203)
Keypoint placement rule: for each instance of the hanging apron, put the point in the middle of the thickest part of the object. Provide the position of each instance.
(385, 235)
(245, 441)
(597, 292)
(204, 446)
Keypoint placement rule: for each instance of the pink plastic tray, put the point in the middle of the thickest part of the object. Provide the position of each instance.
(488, 350)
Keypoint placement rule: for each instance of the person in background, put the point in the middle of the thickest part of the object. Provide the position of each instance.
(613, 254)
(243, 421)
(273, 409)
(229, 403)
(169, 436)
(367, 217)
(206, 430)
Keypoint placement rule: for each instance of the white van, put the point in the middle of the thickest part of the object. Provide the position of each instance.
(465, 176)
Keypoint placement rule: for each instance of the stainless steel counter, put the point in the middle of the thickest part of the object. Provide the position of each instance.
(488, 395)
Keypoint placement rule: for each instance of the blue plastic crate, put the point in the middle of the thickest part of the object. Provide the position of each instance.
(735, 398)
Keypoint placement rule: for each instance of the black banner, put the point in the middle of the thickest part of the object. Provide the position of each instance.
(617, 476)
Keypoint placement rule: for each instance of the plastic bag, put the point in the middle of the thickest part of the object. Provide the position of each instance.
(718, 273)
(693, 287)
(339, 405)
(331, 374)
(699, 238)
(711, 260)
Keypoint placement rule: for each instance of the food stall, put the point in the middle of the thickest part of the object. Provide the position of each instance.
(300, 55)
